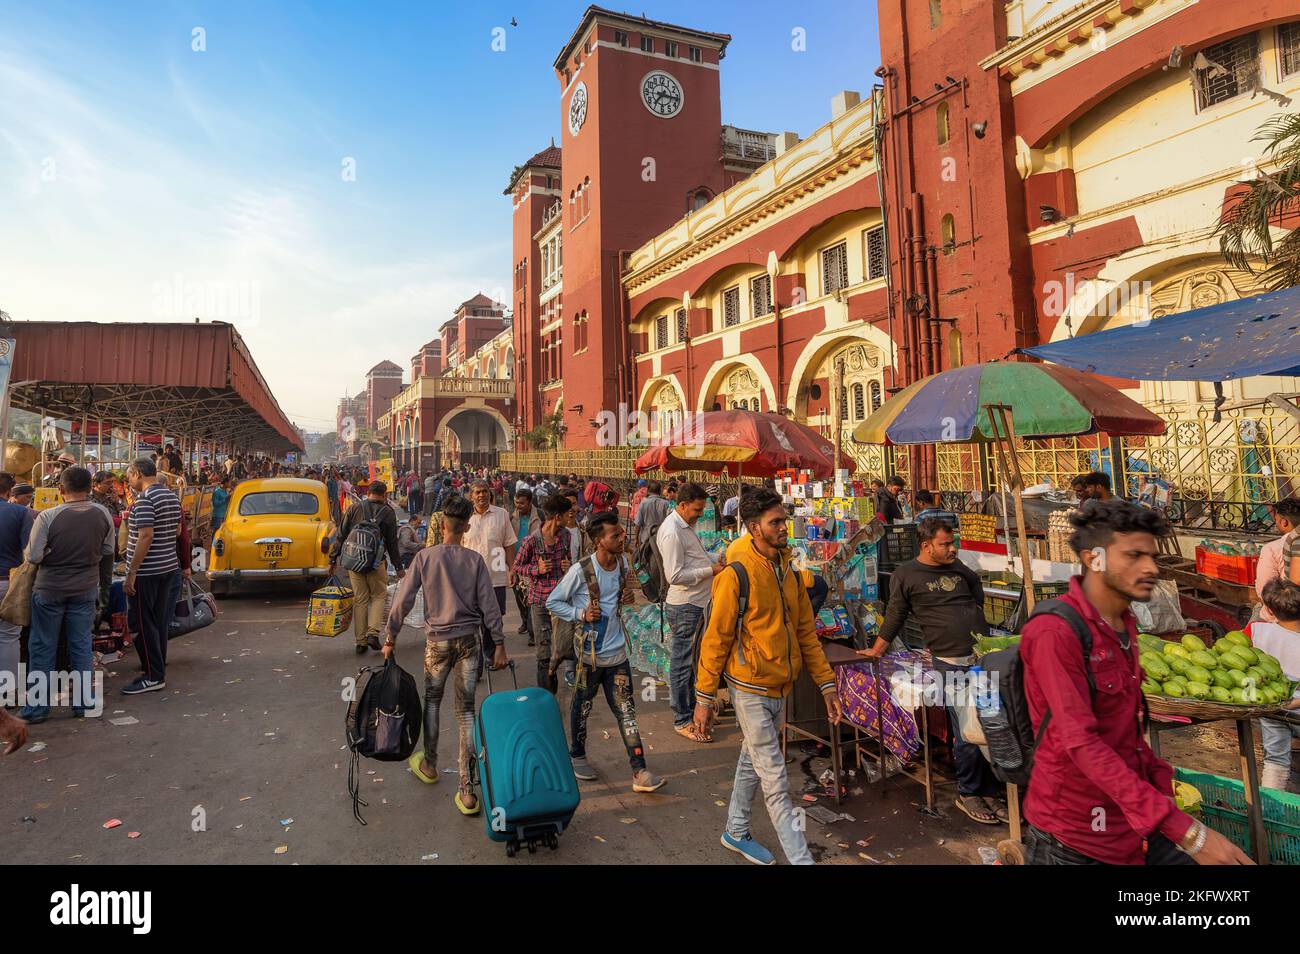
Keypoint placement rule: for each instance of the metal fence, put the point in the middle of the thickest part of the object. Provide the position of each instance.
(1221, 474)
(1218, 475)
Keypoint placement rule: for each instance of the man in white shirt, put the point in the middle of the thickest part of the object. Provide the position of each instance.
(493, 538)
(689, 570)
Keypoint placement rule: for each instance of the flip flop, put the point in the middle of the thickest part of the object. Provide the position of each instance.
(413, 763)
(460, 806)
(689, 731)
(976, 809)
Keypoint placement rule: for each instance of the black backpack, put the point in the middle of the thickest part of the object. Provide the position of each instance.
(383, 721)
(650, 563)
(364, 545)
(1007, 729)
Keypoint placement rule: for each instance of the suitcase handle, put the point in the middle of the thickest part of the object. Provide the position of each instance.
(511, 666)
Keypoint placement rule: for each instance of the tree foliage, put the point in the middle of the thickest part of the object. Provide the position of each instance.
(1246, 234)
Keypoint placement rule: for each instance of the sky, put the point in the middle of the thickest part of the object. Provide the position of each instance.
(328, 176)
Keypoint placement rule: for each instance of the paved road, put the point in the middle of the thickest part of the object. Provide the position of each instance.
(249, 733)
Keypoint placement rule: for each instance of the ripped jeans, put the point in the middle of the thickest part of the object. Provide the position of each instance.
(442, 659)
(617, 683)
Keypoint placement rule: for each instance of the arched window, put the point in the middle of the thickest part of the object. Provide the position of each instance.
(743, 390)
(667, 406)
(857, 371)
(948, 232)
(945, 129)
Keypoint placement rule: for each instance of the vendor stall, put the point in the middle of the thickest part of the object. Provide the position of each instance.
(994, 404)
(1225, 342)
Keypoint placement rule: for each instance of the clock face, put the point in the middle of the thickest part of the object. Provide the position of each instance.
(662, 94)
(577, 108)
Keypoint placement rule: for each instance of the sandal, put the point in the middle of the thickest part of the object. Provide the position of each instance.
(413, 763)
(976, 809)
(460, 805)
(999, 809)
(689, 731)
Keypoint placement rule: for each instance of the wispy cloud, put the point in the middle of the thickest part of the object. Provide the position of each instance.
(131, 208)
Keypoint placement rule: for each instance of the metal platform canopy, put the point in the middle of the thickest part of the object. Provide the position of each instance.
(193, 381)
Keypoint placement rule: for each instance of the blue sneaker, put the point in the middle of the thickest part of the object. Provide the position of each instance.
(748, 849)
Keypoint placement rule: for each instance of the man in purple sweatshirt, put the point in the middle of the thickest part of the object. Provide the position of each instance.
(458, 601)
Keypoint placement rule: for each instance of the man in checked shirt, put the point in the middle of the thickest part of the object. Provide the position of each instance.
(541, 561)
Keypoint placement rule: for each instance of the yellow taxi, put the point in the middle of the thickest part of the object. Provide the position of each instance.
(278, 528)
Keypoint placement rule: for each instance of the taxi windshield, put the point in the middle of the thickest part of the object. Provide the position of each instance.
(278, 501)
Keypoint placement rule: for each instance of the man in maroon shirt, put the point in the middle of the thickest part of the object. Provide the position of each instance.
(1098, 794)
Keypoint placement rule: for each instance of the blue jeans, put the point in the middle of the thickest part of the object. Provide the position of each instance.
(684, 622)
(53, 617)
(1276, 736)
(761, 761)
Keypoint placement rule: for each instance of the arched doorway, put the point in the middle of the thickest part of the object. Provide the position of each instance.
(858, 367)
(474, 436)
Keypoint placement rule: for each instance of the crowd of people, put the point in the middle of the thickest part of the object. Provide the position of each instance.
(67, 555)
(741, 627)
(744, 621)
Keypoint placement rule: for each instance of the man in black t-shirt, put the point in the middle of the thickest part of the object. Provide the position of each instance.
(946, 598)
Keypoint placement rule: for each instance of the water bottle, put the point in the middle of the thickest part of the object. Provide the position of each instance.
(708, 519)
(1004, 747)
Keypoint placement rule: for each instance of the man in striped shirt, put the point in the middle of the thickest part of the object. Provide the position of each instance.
(153, 575)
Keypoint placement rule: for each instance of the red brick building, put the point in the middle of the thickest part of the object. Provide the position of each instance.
(643, 143)
(1018, 172)
(383, 382)
(460, 404)
(1056, 168)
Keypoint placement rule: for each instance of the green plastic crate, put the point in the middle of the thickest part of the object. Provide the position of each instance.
(1223, 808)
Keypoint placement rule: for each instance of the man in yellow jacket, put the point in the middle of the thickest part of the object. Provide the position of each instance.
(760, 650)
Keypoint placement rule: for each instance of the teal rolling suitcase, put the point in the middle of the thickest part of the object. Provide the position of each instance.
(521, 757)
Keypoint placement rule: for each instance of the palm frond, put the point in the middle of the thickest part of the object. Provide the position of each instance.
(1246, 230)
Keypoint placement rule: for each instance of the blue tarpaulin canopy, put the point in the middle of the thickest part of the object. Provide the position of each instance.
(1236, 339)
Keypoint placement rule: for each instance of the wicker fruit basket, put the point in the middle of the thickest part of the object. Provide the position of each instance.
(1204, 710)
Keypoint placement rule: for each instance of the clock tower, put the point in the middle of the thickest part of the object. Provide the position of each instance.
(641, 111)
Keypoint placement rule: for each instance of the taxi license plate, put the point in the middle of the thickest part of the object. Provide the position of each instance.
(273, 551)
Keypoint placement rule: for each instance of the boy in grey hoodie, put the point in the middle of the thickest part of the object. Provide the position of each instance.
(458, 601)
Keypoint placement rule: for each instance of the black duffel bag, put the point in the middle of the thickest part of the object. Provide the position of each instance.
(195, 608)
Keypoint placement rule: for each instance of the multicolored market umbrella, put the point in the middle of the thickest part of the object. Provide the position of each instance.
(1045, 401)
(739, 442)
